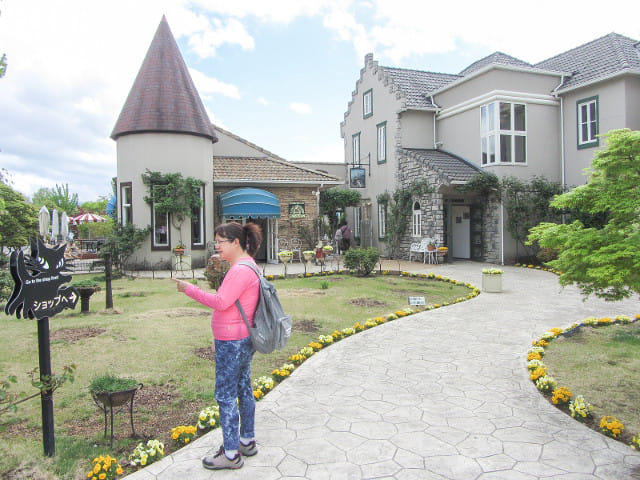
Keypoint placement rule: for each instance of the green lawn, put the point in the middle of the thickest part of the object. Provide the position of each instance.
(162, 338)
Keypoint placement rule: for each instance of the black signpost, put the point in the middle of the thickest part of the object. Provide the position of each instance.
(39, 293)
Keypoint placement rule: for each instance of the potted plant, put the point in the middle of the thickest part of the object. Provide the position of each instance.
(179, 248)
(431, 245)
(308, 255)
(110, 391)
(85, 289)
(442, 251)
(285, 256)
(492, 280)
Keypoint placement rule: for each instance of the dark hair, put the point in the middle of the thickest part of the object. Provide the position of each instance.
(249, 235)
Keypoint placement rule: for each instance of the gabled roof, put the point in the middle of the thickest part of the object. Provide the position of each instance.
(454, 168)
(415, 85)
(265, 170)
(163, 97)
(595, 60)
(496, 58)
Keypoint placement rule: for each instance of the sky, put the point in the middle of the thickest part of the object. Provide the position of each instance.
(278, 73)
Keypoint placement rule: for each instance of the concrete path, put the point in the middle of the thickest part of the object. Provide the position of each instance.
(439, 395)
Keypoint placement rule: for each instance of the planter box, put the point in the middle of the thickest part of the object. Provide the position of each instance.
(492, 282)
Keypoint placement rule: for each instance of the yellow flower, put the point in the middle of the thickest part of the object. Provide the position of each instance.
(119, 470)
(102, 476)
(97, 468)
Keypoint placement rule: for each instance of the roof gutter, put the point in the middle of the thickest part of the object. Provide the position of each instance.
(562, 150)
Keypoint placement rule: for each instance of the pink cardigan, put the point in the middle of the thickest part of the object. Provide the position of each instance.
(241, 283)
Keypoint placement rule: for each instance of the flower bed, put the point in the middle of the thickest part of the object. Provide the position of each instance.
(561, 396)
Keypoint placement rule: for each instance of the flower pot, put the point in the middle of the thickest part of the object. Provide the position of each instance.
(178, 251)
(492, 282)
(285, 258)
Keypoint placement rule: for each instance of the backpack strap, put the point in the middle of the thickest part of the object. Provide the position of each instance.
(244, 315)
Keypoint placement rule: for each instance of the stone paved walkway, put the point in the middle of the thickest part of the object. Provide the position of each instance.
(439, 395)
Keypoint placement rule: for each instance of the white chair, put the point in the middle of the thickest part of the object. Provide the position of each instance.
(295, 245)
(283, 244)
(419, 247)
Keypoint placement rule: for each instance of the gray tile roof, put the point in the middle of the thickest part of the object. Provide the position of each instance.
(455, 168)
(163, 97)
(595, 60)
(496, 58)
(416, 84)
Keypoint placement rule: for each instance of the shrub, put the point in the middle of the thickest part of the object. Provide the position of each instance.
(362, 260)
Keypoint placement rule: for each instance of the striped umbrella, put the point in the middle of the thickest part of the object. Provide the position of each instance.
(87, 218)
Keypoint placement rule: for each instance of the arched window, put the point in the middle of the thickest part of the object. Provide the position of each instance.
(416, 220)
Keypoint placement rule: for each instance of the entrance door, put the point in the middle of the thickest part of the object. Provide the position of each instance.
(461, 231)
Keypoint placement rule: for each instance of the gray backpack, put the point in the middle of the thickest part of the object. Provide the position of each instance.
(272, 327)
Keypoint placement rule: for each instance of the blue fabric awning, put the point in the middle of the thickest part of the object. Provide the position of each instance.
(249, 202)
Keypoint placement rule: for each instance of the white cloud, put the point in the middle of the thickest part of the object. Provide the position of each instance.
(301, 108)
(206, 85)
(263, 101)
(230, 31)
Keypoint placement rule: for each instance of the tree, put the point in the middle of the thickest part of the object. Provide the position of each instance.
(173, 194)
(337, 199)
(603, 261)
(19, 221)
(57, 198)
(124, 240)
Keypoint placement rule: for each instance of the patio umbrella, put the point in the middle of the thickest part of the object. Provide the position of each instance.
(64, 226)
(87, 218)
(43, 221)
(55, 226)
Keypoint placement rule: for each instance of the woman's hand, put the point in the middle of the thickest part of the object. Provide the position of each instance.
(182, 285)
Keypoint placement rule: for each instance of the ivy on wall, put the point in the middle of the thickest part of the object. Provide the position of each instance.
(173, 194)
(398, 206)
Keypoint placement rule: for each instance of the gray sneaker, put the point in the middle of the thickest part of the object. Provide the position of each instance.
(219, 461)
(248, 450)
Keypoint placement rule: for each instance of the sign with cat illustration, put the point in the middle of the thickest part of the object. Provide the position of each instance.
(39, 289)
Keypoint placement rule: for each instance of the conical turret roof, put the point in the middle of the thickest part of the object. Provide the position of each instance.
(163, 97)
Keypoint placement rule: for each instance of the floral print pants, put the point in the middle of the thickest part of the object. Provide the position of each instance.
(233, 390)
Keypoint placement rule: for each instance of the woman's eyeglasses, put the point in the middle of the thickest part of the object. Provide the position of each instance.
(218, 242)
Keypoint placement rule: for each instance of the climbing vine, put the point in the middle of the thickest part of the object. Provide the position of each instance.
(173, 194)
(398, 211)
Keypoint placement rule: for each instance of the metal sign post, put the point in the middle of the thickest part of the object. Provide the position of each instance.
(39, 293)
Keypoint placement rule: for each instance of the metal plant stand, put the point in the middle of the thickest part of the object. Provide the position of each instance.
(108, 400)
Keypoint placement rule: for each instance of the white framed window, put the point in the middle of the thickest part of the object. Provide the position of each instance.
(382, 220)
(356, 222)
(503, 133)
(197, 222)
(416, 220)
(355, 149)
(382, 142)
(588, 122)
(160, 225)
(126, 213)
(367, 103)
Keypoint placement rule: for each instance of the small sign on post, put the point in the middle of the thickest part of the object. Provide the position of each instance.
(39, 293)
(417, 301)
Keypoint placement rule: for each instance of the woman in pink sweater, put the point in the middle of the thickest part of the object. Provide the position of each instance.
(232, 343)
